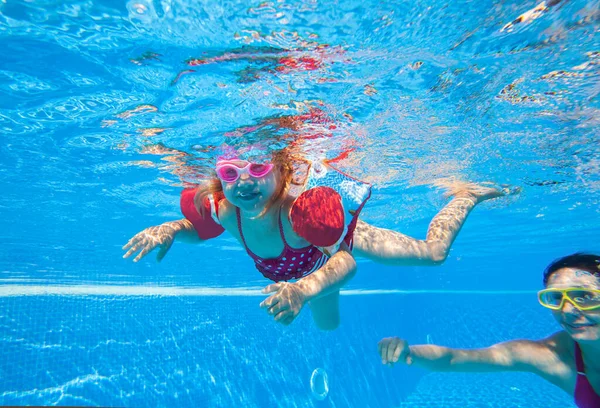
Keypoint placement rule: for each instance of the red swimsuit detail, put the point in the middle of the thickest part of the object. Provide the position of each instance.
(292, 263)
(585, 396)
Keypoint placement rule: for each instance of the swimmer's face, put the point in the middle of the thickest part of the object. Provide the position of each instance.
(251, 194)
(582, 326)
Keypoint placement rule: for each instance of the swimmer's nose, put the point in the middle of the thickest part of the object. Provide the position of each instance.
(568, 308)
(245, 179)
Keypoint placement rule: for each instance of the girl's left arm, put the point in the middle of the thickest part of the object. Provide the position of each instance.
(338, 270)
(290, 298)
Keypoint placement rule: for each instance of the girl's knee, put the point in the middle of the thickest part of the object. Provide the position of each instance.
(327, 323)
(326, 311)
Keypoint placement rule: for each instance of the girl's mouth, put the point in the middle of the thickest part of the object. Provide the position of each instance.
(247, 195)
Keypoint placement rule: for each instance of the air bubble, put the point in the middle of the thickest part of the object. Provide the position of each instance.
(319, 384)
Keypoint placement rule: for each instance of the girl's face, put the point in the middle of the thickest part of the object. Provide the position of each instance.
(251, 194)
(582, 326)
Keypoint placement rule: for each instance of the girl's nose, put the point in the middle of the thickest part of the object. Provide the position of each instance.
(244, 179)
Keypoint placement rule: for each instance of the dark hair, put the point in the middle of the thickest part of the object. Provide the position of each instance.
(579, 260)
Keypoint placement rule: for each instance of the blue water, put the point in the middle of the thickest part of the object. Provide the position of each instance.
(101, 127)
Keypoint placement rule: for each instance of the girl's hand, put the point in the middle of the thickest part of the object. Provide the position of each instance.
(393, 349)
(286, 303)
(145, 241)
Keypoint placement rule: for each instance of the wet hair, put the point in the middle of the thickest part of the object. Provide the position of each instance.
(582, 261)
(285, 161)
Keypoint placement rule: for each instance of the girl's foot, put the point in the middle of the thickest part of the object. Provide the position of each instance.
(476, 192)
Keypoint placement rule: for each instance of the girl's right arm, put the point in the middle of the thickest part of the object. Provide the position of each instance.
(160, 236)
(195, 227)
(515, 355)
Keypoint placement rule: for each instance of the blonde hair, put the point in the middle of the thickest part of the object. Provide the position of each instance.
(285, 162)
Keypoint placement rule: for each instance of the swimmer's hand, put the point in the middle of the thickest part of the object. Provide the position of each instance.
(286, 303)
(147, 240)
(392, 350)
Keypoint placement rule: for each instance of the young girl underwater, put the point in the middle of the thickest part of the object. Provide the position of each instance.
(569, 359)
(308, 238)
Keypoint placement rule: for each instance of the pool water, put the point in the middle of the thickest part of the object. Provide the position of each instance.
(224, 351)
(108, 109)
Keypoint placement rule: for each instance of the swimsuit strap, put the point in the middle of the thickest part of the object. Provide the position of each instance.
(579, 360)
(252, 254)
(239, 223)
(285, 244)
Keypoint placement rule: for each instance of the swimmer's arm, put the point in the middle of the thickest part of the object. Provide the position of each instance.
(332, 276)
(184, 231)
(161, 236)
(181, 230)
(516, 355)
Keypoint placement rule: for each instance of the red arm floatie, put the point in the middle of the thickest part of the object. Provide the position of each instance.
(317, 215)
(206, 226)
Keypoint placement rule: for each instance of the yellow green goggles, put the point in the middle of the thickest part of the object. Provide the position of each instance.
(582, 299)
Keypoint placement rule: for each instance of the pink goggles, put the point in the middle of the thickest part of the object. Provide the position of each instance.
(229, 170)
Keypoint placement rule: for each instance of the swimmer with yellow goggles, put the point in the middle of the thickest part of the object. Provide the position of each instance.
(581, 298)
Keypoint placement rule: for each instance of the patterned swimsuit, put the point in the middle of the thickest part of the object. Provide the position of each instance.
(292, 263)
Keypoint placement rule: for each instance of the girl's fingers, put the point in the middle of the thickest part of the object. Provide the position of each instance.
(382, 349)
(278, 307)
(390, 351)
(269, 302)
(161, 253)
(131, 251)
(281, 316)
(287, 321)
(130, 242)
(136, 247)
(396, 355)
(144, 252)
(271, 288)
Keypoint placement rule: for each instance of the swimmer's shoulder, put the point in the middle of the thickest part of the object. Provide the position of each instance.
(558, 361)
(559, 343)
(287, 204)
(227, 215)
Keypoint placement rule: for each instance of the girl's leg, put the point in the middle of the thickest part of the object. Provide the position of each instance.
(326, 311)
(393, 248)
